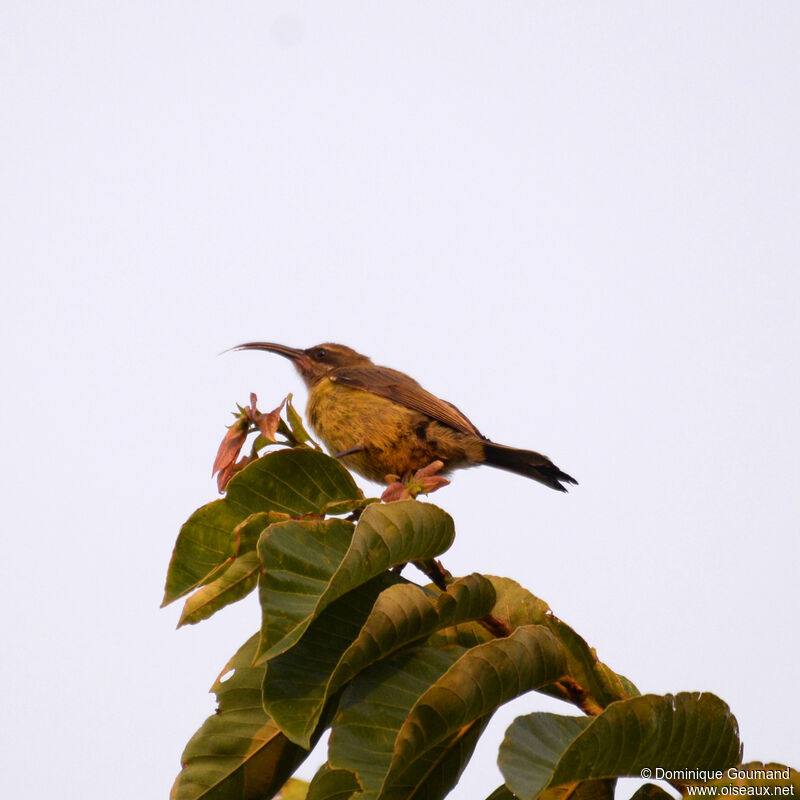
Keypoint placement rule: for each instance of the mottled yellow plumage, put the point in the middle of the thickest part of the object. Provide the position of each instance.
(400, 439)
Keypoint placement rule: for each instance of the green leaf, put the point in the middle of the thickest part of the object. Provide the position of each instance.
(245, 536)
(374, 707)
(309, 564)
(238, 752)
(514, 606)
(297, 683)
(399, 710)
(467, 634)
(483, 678)
(394, 533)
(436, 772)
(517, 606)
(202, 550)
(294, 482)
(687, 730)
(239, 577)
(236, 582)
(298, 558)
(332, 784)
(532, 747)
(407, 613)
(601, 682)
(470, 597)
(299, 433)
(363, 626)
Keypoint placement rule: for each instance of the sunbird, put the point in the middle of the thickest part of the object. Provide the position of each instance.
(381, 422)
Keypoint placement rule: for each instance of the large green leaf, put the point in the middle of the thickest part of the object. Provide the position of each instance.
(309, 564)
(592, 684)
(600, 682)
(332, 784)
(687, 730)
(399, 710)
(408, 613)
(436, 772)
(238, 753)
(374, 707)
(483, 678)
(297, 683)
(299, 433)
(294, 482)
(238, 577)
(202, 550)
(513, 606)
(355, 631)
(533, 746)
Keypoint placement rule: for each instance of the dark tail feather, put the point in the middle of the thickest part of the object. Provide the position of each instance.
(527, 463)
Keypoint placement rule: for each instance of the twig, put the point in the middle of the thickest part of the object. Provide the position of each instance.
(574, 693)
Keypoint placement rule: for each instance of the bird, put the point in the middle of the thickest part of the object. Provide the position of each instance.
(381, 422)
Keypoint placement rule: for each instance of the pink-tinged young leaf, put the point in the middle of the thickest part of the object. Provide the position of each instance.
(228, 452)
(267, 424)
(424, 481)
(395, 491)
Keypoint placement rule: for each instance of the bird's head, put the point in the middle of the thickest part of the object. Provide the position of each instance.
(315, 362)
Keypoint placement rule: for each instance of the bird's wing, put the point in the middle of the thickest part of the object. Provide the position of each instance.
(402, 389)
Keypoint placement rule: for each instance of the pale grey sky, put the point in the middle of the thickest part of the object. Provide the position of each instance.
(577, 221)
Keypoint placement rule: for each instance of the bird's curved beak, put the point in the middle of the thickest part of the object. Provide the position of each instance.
(298, 357)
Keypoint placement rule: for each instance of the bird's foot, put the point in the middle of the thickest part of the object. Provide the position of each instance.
(423, 481)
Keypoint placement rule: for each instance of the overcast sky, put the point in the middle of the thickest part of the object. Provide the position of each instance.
(576, 221)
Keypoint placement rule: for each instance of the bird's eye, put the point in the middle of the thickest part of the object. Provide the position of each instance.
(321, 354)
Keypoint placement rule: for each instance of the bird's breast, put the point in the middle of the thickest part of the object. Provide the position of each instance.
(345, 417)
(395, 439)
